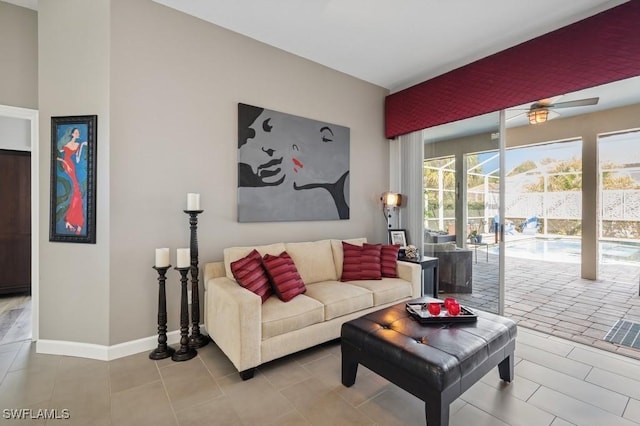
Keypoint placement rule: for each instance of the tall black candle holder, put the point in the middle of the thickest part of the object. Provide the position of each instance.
(162, 351)
(185, 352)
(196, 340)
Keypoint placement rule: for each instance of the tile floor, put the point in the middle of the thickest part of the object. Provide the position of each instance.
(15, 318)
(558, 382)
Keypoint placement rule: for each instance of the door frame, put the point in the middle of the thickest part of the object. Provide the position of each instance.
(33, 116)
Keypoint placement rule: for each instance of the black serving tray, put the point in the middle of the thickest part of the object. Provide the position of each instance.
(424, 317)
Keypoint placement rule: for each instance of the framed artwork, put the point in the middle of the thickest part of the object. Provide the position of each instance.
(398, 236)
(73, 179)
(291, 168)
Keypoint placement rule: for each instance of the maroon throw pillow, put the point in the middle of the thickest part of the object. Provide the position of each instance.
(284, 276)
(389, 260)
(361, 262)
(250, 274)
(370, 262)
(350, 262)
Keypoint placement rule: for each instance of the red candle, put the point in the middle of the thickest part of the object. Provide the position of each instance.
(454, 309)
(434, 308)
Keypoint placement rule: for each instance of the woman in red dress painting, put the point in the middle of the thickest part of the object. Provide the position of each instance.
(72, 150)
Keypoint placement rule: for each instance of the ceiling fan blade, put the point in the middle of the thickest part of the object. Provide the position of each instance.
(511, 117)
(577, 103)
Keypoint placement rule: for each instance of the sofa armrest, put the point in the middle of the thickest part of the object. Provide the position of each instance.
(411, 272)
(213, 270)
(234, 321)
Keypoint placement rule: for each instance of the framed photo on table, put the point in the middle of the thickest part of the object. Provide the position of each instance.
(73, 179)
(398, 236)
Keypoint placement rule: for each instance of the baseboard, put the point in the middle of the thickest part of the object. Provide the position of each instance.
(102, 352)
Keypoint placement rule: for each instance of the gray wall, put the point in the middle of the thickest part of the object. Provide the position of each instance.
(165, 87)
(19, 56)
(74, 80)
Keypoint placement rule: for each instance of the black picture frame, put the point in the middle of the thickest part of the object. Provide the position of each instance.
(398, 236)
(72, 212)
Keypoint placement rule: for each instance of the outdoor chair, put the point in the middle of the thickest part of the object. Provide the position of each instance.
(530, 226)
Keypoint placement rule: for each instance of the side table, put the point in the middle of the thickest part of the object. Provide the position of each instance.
(475, 249)
(429, 281)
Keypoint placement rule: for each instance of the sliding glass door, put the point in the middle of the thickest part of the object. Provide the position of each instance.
(462, 201)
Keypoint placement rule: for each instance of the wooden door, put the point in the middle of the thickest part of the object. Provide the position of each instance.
(15, 221)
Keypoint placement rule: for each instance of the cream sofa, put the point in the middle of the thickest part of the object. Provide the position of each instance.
(251, 333)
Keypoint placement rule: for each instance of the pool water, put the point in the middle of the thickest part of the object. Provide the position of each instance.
(568, 250)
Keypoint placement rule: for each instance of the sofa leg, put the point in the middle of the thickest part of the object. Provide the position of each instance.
(247, 374)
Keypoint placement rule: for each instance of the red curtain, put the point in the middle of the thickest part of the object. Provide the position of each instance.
(597, 50)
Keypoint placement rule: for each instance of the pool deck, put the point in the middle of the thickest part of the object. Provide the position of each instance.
(552, 298)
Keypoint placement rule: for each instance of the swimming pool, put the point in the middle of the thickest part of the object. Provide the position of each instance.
(568, 250)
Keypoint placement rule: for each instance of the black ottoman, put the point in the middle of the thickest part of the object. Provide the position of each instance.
(436, 363)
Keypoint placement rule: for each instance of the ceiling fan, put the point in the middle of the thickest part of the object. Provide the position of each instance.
(543, 110)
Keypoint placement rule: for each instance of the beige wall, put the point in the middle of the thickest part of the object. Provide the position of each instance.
(165, 87)
(19, 56)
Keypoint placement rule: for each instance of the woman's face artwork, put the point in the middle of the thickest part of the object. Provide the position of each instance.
(290, 168)
(286, 149)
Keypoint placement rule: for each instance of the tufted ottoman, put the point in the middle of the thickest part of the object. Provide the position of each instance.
(436, 363)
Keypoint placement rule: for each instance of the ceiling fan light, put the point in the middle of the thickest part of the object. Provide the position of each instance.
(537, 116)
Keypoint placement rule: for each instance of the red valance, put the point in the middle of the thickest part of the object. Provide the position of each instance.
(597, 50)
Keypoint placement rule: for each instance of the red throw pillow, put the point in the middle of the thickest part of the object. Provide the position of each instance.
(250, 274)
(370, 262)
(389, 260)
(361, 262)
(350, 262)
(284, 276)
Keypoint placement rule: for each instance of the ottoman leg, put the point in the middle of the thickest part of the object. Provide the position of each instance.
(505, 368)
(349, 365)
(437, 412)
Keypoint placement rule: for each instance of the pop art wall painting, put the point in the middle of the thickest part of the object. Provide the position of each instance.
(291, 168)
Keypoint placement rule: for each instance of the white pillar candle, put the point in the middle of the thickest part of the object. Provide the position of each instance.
(184, 258)
(162, 257)
(193, 201)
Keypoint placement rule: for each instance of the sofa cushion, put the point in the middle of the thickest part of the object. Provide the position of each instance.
(339, 298)
(232, 254)
(361, 262)
(386, 291)
(284, 276)
(314, 260)
(338, 254)
(279, 317)
(250, 274)
(389, 260)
